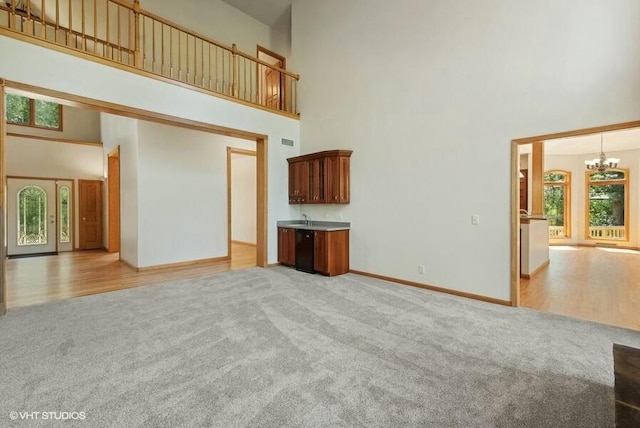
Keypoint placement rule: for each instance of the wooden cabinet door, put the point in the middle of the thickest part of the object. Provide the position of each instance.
(287, 246)
(316, 181)
(90, 214)
(320, 252)
(298, 182)
(343, 180)
(337, 181)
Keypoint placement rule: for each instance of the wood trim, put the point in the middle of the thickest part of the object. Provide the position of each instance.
(611, 244)
(540, 268)
(274, 264)
(514, 231)
(124, 67)
(576, 133)
(318, 155)
(113, 201)
(537, 179)
(55, 140)
(243, 243)
(134, 113)
(515, 183)
(262, 182)
(434, 288)
(3, 208)
(192, 263)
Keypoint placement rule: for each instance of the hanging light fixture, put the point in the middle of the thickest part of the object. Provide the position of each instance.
(602, 163)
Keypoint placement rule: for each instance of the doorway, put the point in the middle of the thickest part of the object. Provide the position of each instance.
(31, 217)
(271, 87)
(579, 281)
(241, 203)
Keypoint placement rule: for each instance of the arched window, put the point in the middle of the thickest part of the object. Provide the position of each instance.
(32, 216)
(557, 203)
(607, 207)
(65, 214)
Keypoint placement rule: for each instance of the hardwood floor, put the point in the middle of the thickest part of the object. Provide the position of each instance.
(595, 284)
(41, 279)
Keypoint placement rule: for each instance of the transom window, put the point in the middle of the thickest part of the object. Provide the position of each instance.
(607, 205)
(36, 113)
(557, 206)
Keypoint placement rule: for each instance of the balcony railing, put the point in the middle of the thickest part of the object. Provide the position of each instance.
(614, 233)
(556, 232)
(127, 35)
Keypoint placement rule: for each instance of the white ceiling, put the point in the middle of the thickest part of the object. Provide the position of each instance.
(627, 139)
(274, 13)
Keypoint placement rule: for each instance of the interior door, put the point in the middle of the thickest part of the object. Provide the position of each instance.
(31, 216)
(90, 205)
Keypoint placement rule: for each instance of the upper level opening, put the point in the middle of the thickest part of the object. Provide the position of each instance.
(125, 35)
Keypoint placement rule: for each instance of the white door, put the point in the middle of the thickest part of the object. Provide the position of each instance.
(31, 216)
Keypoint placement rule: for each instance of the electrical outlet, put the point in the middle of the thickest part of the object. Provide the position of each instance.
(421, 269)
(475, 219)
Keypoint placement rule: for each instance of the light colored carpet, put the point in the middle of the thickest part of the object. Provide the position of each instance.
(276, 347)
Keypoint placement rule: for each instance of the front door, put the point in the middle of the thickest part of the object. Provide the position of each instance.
(31, 216)
(90, 192)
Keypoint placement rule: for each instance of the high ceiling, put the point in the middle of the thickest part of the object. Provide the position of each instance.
(274, 13)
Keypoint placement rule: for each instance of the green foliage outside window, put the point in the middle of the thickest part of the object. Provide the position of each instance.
(606, 205)
(26, 111)
(554, 204)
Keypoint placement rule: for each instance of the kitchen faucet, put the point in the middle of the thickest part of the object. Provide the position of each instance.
(307, 219)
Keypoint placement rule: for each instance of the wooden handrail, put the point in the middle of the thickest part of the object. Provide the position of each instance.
(58, 27)
(213, 42)
(149, 43)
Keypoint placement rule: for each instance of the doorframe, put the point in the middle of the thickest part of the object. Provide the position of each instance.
(57, 195)
(283, 61)
(65, 98)
(515, 192)
(231, 151)
(113, 203)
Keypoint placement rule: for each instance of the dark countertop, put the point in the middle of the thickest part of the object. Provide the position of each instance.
(315, 225)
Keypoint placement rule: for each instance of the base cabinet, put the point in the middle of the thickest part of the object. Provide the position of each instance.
(287, 246)
(330, 250)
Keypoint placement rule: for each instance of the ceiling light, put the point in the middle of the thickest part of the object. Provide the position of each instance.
(602, 163)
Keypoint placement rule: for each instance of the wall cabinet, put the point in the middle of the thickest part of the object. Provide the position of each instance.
(320, 178)
(287, 246)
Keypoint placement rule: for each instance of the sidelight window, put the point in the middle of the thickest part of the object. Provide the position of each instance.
(557, 206)
(65, 214)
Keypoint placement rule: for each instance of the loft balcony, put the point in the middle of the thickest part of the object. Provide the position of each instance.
(126, 36)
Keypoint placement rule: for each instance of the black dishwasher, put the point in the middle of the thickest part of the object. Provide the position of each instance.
(304, 250)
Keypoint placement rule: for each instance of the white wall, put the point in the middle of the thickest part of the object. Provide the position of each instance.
(182, 194)
(77, 124)
(243, 198)
(79, 77)
(429, 94)
(123, 132)
(575, 164)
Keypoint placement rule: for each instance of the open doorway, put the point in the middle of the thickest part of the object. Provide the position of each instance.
(591, 225)
(95, 272)
(241, 204)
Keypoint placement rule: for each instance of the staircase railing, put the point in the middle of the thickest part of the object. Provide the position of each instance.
(128, 35)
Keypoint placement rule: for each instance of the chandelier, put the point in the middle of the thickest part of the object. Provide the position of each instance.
(602, 163)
